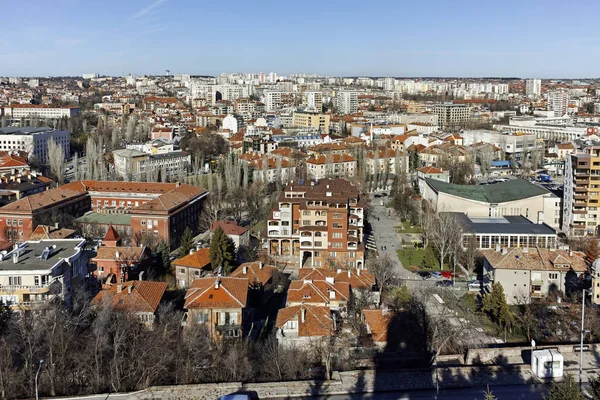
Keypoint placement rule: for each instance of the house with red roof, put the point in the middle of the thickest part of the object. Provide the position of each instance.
(219, 303)
(439, 174)
(191, 267)
(300, 324)
(263, 280)
(239, 234)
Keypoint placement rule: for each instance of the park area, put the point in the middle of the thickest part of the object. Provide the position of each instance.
(415, 259)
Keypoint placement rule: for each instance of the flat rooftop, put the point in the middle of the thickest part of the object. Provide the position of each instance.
(106, 219)
(26, 130)
(30, 258)
(506, 225)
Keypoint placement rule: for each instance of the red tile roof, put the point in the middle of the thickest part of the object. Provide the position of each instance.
(134, 296)
(255, 272)
(199, 259)
(111, 235)
(317, 320)
(377, 322)
(318, 292)
(356, 279)
(217, 292)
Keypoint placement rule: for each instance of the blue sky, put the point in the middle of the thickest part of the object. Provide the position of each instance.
(527, 38)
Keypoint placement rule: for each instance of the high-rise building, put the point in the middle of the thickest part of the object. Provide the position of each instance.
(314, 101)
(558, 101)
(347, 102)
(581, 191)
(533, 87)
(450, 114)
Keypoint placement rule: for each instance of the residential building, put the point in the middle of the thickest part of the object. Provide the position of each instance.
(346, 102)
(238, 234)
(558, 101)
(313, 101)
(450, 114)
(513, 197)
(312, 119)
(300, 324)
(117, 264)
(314, 222)
(505, 232)
(377, 323)
(384, 161)
(514, 144)
(45, 232)
(439, 174)
(529, 274)
(161, 132)
(233, 122)
(41, 111)
(191, 267)
(163, 210)
(38, 271)
(331, 165)
(34, 141)
(219, 303)
(533, 87)
(137, 298)
(21, 184)
(581, 193)
(263, 281)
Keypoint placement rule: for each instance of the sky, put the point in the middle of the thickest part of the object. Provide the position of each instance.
(417, 38)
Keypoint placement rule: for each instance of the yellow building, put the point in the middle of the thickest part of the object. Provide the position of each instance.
(311, 119)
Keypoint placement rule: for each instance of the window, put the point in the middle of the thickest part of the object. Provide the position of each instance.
(337, 216)
(336, 245)
(553, 276)
(143, 222)
(332, 254)
(36, 280)
(20, 222)
(318, 244)
(306, 212)
(14, 281)
(337, 235)
(8, 222)
(291, 325)
(182, 270)
(202, 318)
(155, 222)
(337, 225)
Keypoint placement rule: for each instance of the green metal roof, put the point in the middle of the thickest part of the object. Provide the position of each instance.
(501, 192)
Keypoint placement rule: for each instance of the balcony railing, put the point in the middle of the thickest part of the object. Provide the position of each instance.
(32, 289)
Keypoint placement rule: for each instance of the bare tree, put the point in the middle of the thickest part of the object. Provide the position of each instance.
(382, 269)
(56, 159)
(446, 233)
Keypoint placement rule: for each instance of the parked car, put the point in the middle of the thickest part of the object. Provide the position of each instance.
(447, 274)
(444, 283)
(424, 274)
(436, 275)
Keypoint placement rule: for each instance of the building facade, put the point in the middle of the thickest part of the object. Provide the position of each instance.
(347, 102)
(450, 114)
(533, 87)
(34, 141)
(41, 111)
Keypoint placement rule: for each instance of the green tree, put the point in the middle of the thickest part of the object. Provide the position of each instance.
(489, 395)
(429, 258)
(163, 251)
(494, 304)
(565, 390)
(595, 388)
(187, 242)
(222, 251)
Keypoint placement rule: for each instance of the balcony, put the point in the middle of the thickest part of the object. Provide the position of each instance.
(581, 197)
(536, 294)
(580, 204)
(579, 212)
(25, 289)
(582, 189)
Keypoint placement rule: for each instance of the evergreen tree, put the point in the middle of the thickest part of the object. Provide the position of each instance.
(565, 390)
(187, 242)
(489, 395)
(494, 304)
(222, 251)
(429, 258)
(163, 251)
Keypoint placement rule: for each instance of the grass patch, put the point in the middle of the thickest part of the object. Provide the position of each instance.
(404, 227)
(412, 259)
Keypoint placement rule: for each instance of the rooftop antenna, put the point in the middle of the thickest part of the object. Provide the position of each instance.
(168, 71)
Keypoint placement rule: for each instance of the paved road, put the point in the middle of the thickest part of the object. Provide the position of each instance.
(518, 392)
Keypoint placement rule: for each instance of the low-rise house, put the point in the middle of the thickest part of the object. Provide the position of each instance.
(191, 267)
(239, 234)
(220, 303)
(326, 293)
(38, 271)
(532, 273)
(300, 324)
(262, 280)
(43, 232)
(119, 263)
(377, 323)
(140, 298)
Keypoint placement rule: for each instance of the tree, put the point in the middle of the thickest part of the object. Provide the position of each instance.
(187, 242)
(595, 388)
(593, 250)
(429, 258)
(489, 395)
(495, 305)
(56, 160)
(383, 271)
(222, 251)
(446, 234)
(565, 390)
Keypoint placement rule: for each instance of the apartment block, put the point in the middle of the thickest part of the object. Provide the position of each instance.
(347, 102)
(42, 111)
(582, 193)
(311, 119)
(34, 141)
(450, 114)
(318, 223)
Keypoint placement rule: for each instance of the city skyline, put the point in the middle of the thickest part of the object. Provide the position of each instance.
(70, 37)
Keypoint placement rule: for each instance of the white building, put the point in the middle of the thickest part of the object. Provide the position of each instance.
(314, 100)
(347, 102)
(42, 111)
(533, 87)
(558, 101)
(90, 76)
(34, 141)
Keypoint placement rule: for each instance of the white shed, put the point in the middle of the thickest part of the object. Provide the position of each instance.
(547, 363)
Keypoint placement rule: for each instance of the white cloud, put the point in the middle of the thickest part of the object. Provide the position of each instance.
(148, 8)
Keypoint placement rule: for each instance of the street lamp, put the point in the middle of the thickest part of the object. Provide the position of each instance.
(36, 379)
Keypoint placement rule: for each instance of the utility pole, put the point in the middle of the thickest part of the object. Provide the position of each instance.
(582, 334)
(36, 379)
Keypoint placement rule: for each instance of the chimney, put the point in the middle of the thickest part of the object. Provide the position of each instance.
(570, 253)
(119, 288)
(117, 255)
(56, 225)
(349, 273)
(303, 315)
(141, 277)
(16, 257)
(218, 282)
(245, 270)
(327, 186)
(329, 279)
(129, 289)
(192, 251)
(260, 265)
(497, 247)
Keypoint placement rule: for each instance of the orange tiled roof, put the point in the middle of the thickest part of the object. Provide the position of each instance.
(377, 322)
(229, 227)
(111, 235)
(49, 232)
(301, 291)
(358, 279)
(336, 158)
(317, 320)
(431, 170)
(144, 296)
(256, 272)
(199, 259)
(217, 292)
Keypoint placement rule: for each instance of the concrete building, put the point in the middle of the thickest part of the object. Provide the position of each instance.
(34, 141)
(331, 165)
(318, 222)
(533, 87)
(558, 101)
(513, 144)
(134, 163)
(233, 122)
(313, 101)
(38, 271)
(312, 120)
(529, 274)
(582, 193)
(513, 197)
(438, 174)
(42, 111)
(347, 102)
(450, 114)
